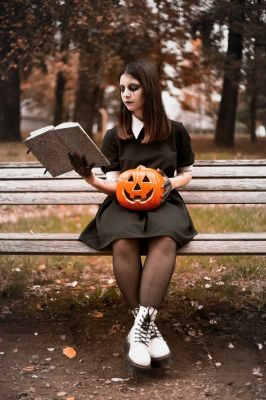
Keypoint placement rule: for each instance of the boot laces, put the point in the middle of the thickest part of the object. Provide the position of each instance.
(155, 333)
(142, 330)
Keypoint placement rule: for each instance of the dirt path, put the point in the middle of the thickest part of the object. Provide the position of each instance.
(220, 363)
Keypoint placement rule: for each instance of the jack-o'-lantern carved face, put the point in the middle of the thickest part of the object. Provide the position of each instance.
(140, 188)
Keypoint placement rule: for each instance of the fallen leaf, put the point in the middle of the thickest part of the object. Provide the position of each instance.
(231, 346)
(98, 314)
(51, 348)
(70, 352)
(42, 267)
(61, 394)
(29, 368)
(218, 364)
(257, 372)
(115, 328)
(70, 398)
(72, 284)
(260, 346)
(119, 379)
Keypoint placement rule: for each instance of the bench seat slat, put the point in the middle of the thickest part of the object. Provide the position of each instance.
(193, 197)
(253, 162)
(219, 171)
(74, 247)
(74, 236)
(72, 185)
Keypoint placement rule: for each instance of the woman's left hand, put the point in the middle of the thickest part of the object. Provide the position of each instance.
(167, 186)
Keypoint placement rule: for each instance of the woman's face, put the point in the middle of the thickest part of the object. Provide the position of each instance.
(132, 94)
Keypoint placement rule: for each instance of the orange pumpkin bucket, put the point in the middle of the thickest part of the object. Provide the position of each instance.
(140, 188)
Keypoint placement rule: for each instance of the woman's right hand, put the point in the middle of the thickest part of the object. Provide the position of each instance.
(81, 166)
(167, 186)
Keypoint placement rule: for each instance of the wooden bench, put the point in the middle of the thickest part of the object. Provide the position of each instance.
(214, 182)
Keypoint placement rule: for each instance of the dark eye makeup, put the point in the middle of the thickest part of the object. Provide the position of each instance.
(133, 87)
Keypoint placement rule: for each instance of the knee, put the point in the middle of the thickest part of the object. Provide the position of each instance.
(165, 245)
(124, 247)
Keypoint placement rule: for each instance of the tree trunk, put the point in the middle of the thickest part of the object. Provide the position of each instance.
(59, 98)
(253, 116)
(10, 107)
(88, 95)
(225, 128)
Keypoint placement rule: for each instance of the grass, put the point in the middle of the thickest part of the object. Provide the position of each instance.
(203, 145)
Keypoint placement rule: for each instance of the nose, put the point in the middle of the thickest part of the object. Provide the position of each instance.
(127, 93)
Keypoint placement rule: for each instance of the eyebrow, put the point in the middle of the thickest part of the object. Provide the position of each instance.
(131, 83)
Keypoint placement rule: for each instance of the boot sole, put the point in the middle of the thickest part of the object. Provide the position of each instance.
(162, 361)
(132, 367)
(155, 362)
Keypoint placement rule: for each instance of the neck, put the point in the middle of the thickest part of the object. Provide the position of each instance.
(138, 114)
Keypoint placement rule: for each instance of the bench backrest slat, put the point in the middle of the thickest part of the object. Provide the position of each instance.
(79, 185)
(213, 171)
(214, 182)
(195, 197)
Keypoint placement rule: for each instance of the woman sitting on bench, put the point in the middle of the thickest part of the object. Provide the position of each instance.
(143, 136)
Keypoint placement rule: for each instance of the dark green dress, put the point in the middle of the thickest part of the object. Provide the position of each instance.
(171, 219)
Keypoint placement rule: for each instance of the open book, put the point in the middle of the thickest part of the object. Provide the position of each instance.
(51, 145)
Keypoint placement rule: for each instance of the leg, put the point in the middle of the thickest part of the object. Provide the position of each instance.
(158, 270)
(127, 269)
(156, 276)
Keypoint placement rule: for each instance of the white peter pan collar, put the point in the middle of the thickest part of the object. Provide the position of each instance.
(136, 126)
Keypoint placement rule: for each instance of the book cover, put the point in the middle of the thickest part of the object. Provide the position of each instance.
(51, 145)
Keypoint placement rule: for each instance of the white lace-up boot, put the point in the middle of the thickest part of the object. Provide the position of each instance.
(158, 348)
(139, 338)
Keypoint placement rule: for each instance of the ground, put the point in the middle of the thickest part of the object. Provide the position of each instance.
(222, 358)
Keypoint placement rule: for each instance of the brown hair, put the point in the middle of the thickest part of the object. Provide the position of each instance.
(156, 123)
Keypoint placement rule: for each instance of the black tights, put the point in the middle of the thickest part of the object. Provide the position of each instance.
(147, 284)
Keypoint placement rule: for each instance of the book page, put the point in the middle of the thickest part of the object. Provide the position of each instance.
(67, 125)
(40, 131)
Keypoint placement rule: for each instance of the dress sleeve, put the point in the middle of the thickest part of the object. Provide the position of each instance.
(184, 152)
(110, 148)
